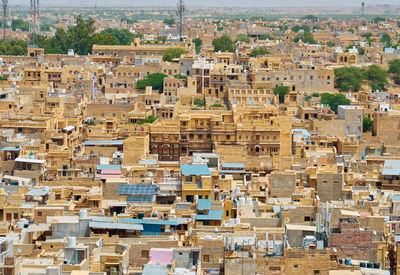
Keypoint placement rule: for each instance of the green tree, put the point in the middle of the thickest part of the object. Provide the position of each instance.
(367, 35)
(306, 37)
(162, 38)
(172, 53)
(45, 27)
(169, 21)
(19, 24)
(242, 38)
(13, 47)
(349, 78)
(331, 44)
(386, 39)
(223, 44)
(154, 80)
(3, 77)
(397, 80)
(198, 44)
(310, 17)
(334, 100)
(367, 124)
(297, 28)
(104, 39)
(265, 37)
(81, 35)
(281, 91)
(258, 51)
(394, 67)
(377, 77)
(361, 50)
(121, 36)
(379, 19)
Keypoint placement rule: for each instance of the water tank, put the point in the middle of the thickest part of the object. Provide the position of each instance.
(340, 261)
(83, 213)
(71, 241)
(376, 265)
(347, 261)
(363, 264)
(370, 265)
(237, 221)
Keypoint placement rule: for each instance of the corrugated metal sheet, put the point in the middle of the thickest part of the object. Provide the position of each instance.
(196, 170)
(103, 142)
(122, 226)
(213, 215)
(233, 165)
(204, 204)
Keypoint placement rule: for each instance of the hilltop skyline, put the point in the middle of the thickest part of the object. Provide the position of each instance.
(212, 3)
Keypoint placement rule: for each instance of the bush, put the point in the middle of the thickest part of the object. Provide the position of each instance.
(149, 119)
(199, 102)
(259, 51)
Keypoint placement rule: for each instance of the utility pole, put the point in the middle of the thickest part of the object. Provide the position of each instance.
(5, 17)
(180, 12)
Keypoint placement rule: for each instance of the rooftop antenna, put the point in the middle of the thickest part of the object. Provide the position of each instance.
(5, 15)
(180, 11)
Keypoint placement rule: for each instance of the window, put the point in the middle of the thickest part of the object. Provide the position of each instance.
(296, 266)
(307, 218)
(228, 137)
(191, 136)
(316, 271)
(145, 253)
(39, 214)
(206, 258)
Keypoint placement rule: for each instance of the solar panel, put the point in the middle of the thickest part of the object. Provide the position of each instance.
(140, 198)
(137, 189)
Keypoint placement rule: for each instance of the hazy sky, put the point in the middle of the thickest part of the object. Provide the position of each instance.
(218, 3)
